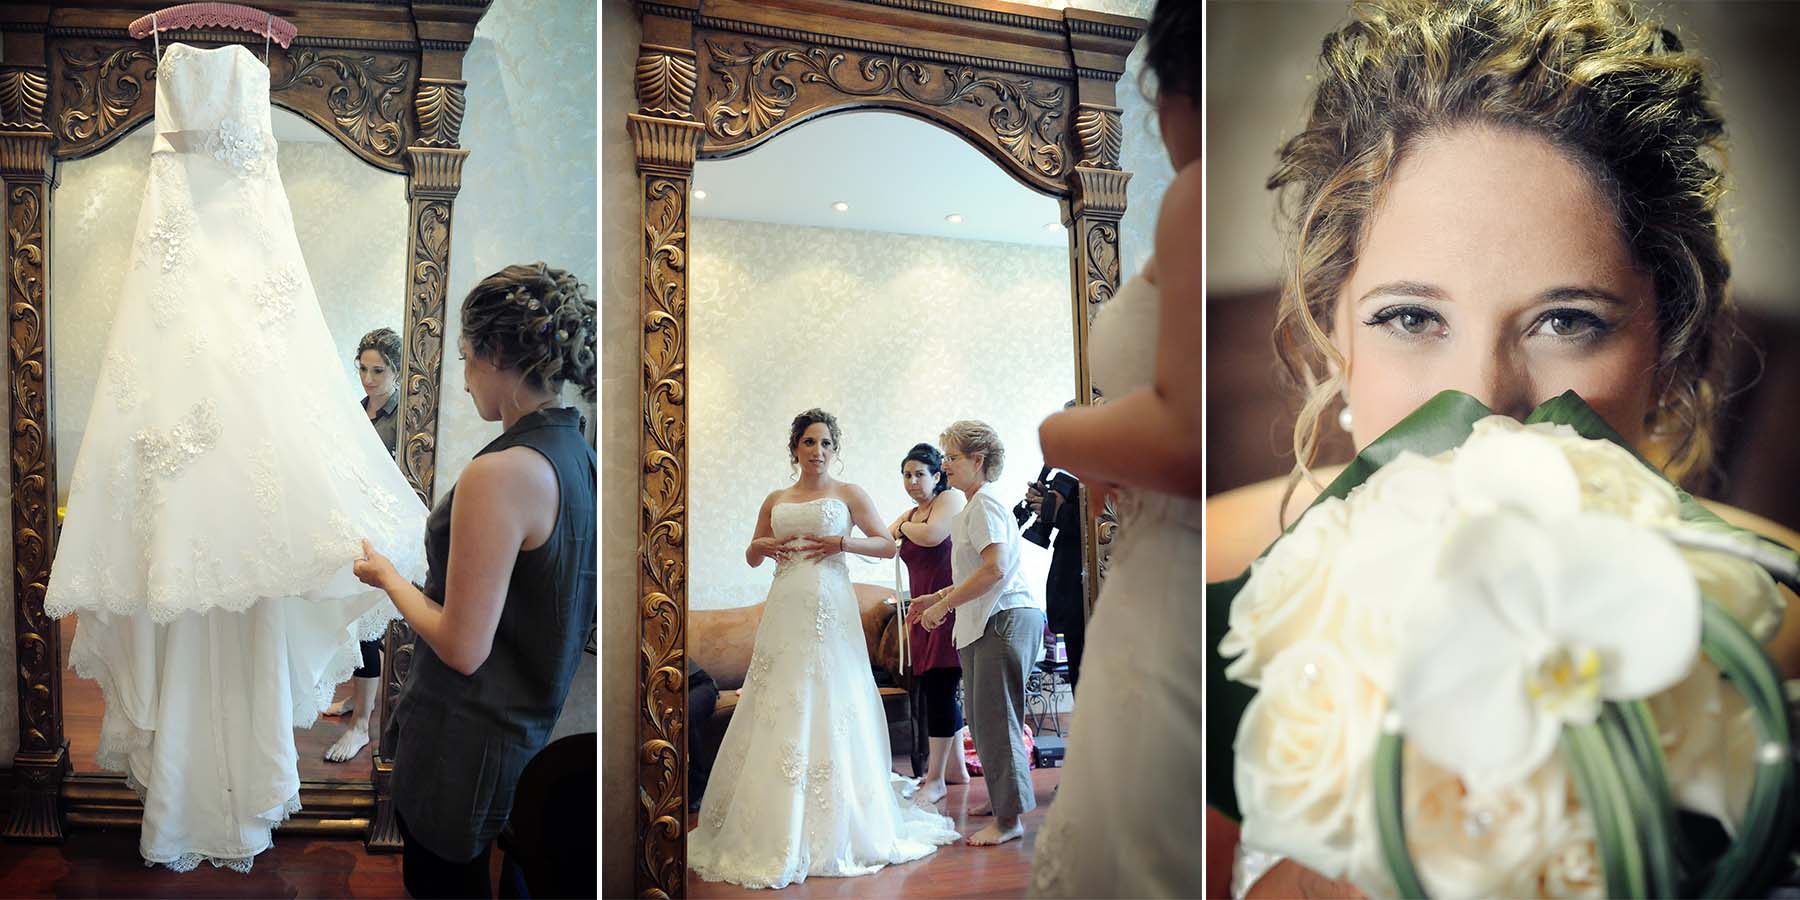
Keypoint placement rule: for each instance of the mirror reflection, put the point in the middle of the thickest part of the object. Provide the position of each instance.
(351, 220)
(880, 319)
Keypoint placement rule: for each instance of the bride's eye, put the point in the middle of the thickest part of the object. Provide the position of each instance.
(1408, 322)
(1571, 324)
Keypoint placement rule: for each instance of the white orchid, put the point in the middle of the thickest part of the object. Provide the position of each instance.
(1535, 622)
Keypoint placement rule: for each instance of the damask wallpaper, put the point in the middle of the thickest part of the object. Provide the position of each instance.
(619, 37)
(896, 335)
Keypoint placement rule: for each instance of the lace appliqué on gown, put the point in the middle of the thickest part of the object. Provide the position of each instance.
(241, 146)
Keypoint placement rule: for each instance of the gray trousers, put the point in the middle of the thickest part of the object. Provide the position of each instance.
(995, 667)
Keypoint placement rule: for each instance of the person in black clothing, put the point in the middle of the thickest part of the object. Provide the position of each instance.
(1056, 502)
(509, 594)
(703, 698)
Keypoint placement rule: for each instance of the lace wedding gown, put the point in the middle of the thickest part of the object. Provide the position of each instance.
(1127, 815)
(803, 784)
(222, 488)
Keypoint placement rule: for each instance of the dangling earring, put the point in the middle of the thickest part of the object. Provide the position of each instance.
(1344, 418)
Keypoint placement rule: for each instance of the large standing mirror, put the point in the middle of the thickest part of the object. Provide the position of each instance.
(905, 214)
(351, 219)
(876, 266)
(367, 114)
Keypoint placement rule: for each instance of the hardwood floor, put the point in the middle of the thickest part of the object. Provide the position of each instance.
(956, 870)
(106, 864)
(82, 708)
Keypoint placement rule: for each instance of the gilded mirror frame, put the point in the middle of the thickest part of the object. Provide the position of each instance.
(386, 81)
(1033, 89)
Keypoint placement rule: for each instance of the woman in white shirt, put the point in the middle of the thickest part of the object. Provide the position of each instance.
(999, 625)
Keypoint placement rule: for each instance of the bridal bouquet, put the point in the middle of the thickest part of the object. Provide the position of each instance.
(1505, 659)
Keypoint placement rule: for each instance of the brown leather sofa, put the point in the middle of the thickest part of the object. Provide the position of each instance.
(721, 642)
(1250, 415)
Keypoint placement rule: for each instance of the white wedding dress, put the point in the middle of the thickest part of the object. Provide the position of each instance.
(1127, 814)
(803, 784)
(222, 488)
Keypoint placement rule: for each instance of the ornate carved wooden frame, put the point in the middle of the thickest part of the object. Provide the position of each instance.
(385, 79)
(1032, 88)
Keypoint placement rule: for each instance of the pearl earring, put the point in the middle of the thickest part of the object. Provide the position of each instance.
(1344, 418)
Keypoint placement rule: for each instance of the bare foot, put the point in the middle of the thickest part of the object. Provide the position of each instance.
(348, 744)
(343, 707)
(930, 794)
(994, 835)
(985, 809)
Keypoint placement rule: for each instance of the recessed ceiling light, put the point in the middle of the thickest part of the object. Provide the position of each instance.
(841, 206)
(1053, 226)
(954, 218)
(699, 194)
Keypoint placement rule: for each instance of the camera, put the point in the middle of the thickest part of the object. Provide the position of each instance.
(1056, 490)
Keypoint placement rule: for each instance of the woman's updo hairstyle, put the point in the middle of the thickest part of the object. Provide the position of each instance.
(537, 320)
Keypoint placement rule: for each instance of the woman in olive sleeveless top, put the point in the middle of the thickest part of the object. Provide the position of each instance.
(508, 600)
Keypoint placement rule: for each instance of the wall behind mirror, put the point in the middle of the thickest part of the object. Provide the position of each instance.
(886, 315)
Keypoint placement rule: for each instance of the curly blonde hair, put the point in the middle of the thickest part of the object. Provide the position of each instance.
(970, 437)
(1612, 89)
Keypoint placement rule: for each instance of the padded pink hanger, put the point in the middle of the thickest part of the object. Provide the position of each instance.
(216, 15)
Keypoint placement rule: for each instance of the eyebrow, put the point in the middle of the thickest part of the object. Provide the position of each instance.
(1423, 291)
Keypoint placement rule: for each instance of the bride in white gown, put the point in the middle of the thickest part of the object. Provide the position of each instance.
(803, 784)
(221, 488)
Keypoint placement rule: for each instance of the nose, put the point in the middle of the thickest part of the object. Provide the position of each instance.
(1500, 378)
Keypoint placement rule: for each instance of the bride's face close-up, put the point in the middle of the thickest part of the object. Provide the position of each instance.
(1494, 265)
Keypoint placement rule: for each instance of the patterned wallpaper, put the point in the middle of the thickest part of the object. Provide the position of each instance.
(619, 37)
(528, 194)
(528, 186)
(896, 335)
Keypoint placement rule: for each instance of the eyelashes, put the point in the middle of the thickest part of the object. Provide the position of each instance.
(1406, 321)
(1411, 322)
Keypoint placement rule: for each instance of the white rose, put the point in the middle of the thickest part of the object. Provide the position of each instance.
(1498, 468)
(1742, 588)
(1302, 756)
(1614, 481)
(1498, 424)
(1286, 597)
(1708, 737)
(1410, 487)
(1468, 844)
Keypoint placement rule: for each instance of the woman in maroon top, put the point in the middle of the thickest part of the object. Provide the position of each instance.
(924, 536)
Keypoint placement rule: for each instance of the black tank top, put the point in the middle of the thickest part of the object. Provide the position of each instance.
(462, 740)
